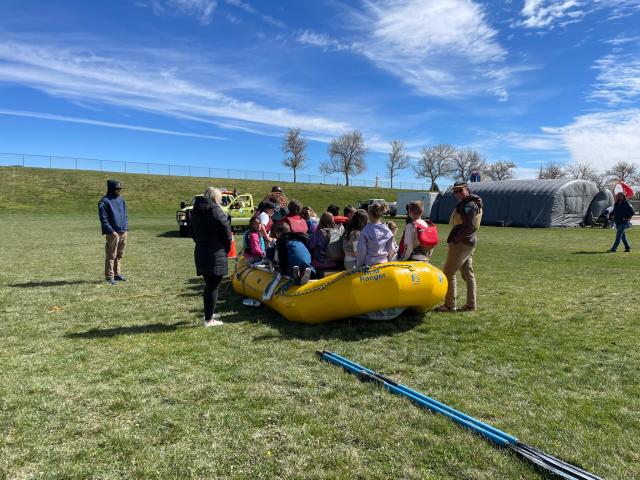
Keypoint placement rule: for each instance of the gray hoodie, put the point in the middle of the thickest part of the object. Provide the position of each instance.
(375, 245)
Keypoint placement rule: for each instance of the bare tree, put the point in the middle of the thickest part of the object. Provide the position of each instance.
(465, 161)
(435, 162)
(586, 171)
(500, 170)
(581, 170)
(293, 146)
(624, 171)
(398, 159)
(600, 179)
(346, 156)
(551, 170)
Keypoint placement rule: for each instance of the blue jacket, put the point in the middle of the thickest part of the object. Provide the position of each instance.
(112, 211)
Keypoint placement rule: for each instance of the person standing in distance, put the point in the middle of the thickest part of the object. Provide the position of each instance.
(465, 220)
(112, 211)
(621, 214)
(211, 231)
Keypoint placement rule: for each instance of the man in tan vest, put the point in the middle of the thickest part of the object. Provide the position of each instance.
(465, 220)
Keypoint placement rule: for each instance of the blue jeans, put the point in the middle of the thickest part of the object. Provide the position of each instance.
(621, 235)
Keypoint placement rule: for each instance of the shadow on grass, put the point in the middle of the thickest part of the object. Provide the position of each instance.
(170, 234)
(52, 283)
(132, 330)
(350, 329)
(584, 252)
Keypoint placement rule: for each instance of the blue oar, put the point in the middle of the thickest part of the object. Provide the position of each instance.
(450, 412)
(541, 459)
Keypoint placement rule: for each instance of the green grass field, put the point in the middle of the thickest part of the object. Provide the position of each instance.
(123, 382)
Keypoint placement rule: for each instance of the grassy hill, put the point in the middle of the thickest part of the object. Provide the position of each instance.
(38, 190)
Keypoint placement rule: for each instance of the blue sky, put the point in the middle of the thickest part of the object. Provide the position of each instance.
(217, 83)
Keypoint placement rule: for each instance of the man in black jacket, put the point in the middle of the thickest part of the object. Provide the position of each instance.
(622, 213)
(112, 211)
(465, 220)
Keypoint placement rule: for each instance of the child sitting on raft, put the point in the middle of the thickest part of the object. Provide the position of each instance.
(393, 228)
(375, 244)
(308, 215)
(254, 249)
(293, 220)
(324, 254)
(357, 222)
(410, 247)
(294, 257)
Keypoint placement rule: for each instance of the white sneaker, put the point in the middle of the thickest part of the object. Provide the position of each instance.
(306, 276)
(251, 302)
(213, 322)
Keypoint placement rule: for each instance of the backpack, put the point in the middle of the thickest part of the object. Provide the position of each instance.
(427, 233)
(334, 249)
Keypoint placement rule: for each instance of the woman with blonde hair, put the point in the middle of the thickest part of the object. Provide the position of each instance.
(211, 231)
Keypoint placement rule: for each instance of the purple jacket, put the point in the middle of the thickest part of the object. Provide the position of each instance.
(375, 245)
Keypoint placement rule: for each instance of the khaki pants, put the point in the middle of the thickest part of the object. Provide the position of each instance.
(114, 249)
(460, 257)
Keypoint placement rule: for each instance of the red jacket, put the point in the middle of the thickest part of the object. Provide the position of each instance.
(296, 223)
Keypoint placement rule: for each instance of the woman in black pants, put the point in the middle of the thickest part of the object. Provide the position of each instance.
(211, 231)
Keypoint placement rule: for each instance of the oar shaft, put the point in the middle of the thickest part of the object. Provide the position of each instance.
(462, 416)
(414, 398)
(544, 460)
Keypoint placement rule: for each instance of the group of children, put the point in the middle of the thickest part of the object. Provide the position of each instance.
(304, 246)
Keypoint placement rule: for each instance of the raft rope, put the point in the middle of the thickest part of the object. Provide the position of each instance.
(282, 291)
(542, 460)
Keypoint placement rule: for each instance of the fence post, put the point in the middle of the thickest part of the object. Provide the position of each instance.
(76, 163)
(245, 175)
(209, 172)
(49, 161)
(100, 165)
(147, 169)
(169, 169)
(125, 167)
(228, 174)
(189, 170)
(23, 159)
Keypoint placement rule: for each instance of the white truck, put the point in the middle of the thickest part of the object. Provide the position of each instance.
(426, 197)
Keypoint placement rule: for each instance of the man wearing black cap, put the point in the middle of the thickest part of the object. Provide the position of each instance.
(465, 220)
(112, 211)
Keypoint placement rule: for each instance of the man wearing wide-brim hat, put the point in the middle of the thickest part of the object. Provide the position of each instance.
(112, 211)
(465, 220)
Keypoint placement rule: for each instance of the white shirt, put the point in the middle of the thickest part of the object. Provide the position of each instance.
(264, 218)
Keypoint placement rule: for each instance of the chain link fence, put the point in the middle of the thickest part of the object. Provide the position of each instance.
(77, 163)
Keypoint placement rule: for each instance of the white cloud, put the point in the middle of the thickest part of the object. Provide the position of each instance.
(621, 40)
(547, 14)
(307, 37)
(543, 142)
(618, 79)
(99, 123)
(443, 48)
(602, 139)
(202, 10)
(118, 79)
(525, 173)
(252, 11)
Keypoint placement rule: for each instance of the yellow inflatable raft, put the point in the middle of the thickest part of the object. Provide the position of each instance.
(417, 286)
